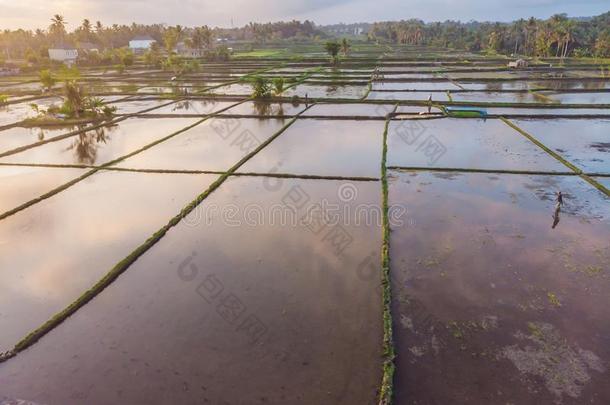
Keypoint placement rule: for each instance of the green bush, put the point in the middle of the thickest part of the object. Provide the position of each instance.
(47, 79)
(278, 85)
(260, 87)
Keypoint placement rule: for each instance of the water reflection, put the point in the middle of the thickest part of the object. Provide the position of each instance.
(86, 144)
(557, 210)
(484, 273)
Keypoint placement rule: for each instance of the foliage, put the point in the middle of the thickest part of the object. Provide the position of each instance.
(4, 98)
(180, 66)
(559, 36)
(47, 79)
(602, 44)
(171, 37)
(261, 87)
(278, 85)
(219, 54)
(125, 56)
(345, 46)
(332, 48)
(76, 104)
(201, 38)
(68, 73)
(152, 57)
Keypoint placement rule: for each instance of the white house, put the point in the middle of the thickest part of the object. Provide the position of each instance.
(63, 53)
(141, 43)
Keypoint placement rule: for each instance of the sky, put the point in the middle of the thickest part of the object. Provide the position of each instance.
(31, 14)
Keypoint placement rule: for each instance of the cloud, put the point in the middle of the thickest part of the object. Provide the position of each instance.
(36, 13)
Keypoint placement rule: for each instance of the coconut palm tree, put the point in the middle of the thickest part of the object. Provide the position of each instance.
(345, 46)
(58, 27)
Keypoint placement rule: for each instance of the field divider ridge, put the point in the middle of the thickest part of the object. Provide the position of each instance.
(389, 354)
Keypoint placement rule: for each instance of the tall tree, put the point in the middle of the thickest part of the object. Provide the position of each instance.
(57, 29)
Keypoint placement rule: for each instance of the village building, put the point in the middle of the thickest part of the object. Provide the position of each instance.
(63, 53)
(141, 43)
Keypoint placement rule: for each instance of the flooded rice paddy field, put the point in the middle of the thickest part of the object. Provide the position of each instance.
(204, 247)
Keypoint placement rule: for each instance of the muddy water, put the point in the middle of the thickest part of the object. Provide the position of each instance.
(323, 147)
(464, 143)
(266, 109)
(497, 97)
(12, 113)
(18, 136)
(136, 105)
(494, 302)
(102, 145)
(326, 91)
(506, 111)
(407, 95)
(19, 185)
(582, 98)
(334, 110)
(54, 251)
(229, 312)
(194, 107)
(233, 89)
(415, 86)
(216, 144)
(585, 143)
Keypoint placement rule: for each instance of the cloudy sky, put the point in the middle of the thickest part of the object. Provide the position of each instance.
(36, 13)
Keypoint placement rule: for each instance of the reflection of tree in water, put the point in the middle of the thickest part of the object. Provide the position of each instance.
(86, 144)
(331, 89)
(263, 108)
(187, 105)
(296, 102)
(182, 105)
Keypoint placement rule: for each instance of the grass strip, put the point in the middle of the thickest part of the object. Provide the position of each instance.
(551, 152)
(389, 354)
(490, 171)
(124, 264)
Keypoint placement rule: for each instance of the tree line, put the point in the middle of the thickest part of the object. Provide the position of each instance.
(21, 44)
(558, 36)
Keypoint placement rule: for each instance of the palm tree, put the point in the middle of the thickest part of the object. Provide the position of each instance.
(333, 47)
(171, 37)
(345, 46)
(86, 26)
(568, 31)
(201, 38)
(58, 27)
(530, 35)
